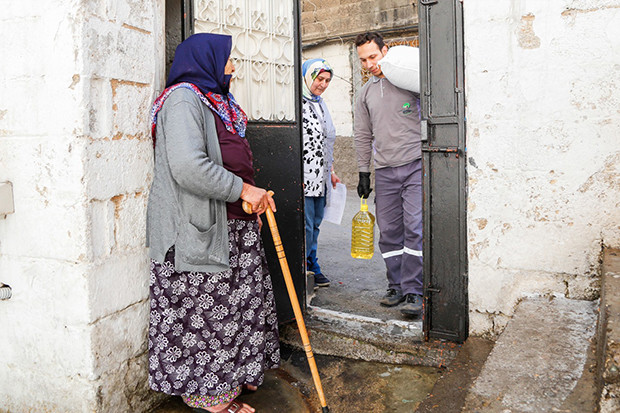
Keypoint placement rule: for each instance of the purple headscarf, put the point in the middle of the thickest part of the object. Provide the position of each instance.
(199, 64)
(200, 60)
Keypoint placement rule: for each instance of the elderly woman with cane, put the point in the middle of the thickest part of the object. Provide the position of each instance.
(319, 136)
(213, 326)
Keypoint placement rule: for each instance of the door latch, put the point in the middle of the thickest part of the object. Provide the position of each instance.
(440, 149)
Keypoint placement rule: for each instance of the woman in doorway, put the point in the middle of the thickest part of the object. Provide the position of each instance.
(319, 136)
(213, 325)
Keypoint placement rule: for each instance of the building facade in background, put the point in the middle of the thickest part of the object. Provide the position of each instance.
(327, 35)
(543, 134)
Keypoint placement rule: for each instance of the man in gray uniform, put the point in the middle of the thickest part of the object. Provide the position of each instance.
(387, 119)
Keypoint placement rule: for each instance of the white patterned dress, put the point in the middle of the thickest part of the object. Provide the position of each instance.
(313, 151)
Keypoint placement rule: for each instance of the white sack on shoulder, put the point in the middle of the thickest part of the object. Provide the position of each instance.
(401, 66)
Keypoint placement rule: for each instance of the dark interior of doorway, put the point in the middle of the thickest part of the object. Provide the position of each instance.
(357, 285)
(445, 243)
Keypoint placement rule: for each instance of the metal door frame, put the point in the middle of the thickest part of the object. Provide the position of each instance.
(187, 23)
(445, 292)
(446, 314)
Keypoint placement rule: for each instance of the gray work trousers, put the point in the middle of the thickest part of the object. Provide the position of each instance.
(399, 217)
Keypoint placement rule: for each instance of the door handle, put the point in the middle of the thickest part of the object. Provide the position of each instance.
(428, 2)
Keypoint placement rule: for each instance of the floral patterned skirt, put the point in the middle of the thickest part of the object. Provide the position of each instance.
(211, 333)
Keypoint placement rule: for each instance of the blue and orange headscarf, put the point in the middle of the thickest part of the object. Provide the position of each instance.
(310, 69)
(199, 63)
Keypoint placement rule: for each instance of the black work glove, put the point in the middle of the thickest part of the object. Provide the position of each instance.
(363, 188)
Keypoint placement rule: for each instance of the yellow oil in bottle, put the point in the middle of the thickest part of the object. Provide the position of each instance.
(363, 233)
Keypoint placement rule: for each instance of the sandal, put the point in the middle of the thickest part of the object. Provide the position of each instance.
(232, 407)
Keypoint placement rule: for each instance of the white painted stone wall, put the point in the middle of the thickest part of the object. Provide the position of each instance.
(77, 80)
(339, 94)
(543, 143)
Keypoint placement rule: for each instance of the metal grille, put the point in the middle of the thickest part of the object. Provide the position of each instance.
(263, 52)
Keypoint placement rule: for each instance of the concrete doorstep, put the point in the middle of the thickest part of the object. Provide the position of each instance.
(542, 362)
(555, 355)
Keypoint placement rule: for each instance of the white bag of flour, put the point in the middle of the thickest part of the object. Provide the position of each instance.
(401, 66)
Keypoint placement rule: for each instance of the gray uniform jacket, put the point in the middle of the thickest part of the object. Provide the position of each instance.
(388, 118)
(187, 200)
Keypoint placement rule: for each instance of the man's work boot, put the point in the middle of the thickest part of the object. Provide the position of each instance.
(413, 305)
(392, 298)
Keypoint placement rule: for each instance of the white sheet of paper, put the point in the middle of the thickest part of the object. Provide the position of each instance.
(335, 204)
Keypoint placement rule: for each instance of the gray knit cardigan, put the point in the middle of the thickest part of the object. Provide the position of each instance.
(187, 199)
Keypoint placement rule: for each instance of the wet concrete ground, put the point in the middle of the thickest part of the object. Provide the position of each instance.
(349, 386)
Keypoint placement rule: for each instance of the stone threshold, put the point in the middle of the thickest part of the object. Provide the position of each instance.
(353, 336)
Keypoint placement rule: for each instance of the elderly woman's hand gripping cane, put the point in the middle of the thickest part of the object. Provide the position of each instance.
(258, 199)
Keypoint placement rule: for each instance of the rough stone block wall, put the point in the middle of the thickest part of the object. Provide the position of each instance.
(74, 140)
(332, 18)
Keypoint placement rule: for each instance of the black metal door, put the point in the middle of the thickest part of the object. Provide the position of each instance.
(277, 160)
(278, 163)
(443, 129)
(276, 145)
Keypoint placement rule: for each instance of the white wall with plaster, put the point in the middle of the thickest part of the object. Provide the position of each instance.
(543, 134)
(77, 81)
(339, 95)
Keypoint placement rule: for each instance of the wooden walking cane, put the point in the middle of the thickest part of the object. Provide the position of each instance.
(290, 287)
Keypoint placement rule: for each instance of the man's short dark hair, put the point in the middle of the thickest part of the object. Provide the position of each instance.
(364, 38)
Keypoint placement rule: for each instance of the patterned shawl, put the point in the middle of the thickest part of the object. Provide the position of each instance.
(198, 65)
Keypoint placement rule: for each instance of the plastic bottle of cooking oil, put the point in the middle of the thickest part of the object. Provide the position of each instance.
(363, 233)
